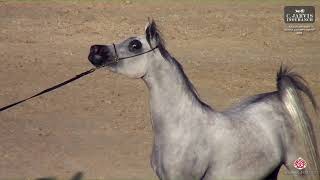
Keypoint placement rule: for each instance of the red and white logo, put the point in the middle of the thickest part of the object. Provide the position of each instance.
(300, 163)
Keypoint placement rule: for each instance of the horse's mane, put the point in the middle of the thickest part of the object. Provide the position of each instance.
(167, 56)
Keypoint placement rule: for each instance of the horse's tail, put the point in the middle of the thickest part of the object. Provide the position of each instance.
(290, 87)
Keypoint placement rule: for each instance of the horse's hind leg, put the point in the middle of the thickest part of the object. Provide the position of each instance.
(274, 174)
(293, 149)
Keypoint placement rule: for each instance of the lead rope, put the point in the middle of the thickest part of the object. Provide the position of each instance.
(50, 89)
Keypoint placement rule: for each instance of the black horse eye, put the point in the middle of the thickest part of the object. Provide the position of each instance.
(134, 45)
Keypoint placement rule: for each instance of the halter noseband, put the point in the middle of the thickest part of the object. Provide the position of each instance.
(117, 58)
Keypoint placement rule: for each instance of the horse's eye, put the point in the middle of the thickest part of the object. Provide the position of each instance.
(134, 45)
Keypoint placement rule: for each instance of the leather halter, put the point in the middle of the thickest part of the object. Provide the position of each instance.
(117, 58)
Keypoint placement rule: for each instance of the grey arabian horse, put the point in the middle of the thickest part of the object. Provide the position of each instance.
(192, 141)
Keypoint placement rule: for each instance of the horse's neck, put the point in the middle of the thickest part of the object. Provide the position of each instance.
(173, 101)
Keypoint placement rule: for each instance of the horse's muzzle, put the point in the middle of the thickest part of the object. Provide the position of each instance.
(100, 55)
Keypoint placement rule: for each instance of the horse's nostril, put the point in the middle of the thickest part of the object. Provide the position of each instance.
(96, 59)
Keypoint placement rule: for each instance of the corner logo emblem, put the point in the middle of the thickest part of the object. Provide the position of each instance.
(299, 14)
(300, 163)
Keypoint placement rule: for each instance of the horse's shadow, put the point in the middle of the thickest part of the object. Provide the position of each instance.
(76, 176)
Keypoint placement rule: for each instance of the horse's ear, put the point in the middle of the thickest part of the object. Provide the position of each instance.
(146, 26)
(151, 31)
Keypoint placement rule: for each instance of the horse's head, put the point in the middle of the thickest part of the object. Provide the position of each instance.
(132, 56)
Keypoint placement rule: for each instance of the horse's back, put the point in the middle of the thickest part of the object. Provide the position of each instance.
(264, 109)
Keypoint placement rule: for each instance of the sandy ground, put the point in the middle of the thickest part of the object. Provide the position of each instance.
(100, 124)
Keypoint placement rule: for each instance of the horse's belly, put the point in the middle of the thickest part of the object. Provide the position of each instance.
(245, 169)
(251, 161)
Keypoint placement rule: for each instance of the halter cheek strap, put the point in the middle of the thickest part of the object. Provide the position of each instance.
(117, 58)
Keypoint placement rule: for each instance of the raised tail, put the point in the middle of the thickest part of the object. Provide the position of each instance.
(290, 87)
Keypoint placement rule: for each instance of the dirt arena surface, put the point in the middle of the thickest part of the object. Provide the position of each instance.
(99, 125)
